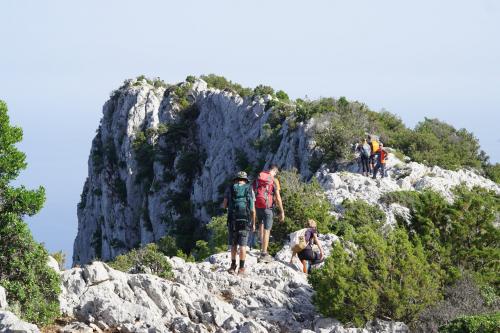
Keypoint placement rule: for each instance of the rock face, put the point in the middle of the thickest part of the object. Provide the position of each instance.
(9, 322)
(203, 297)
(3, 298)
(164, 153)
(193, 152)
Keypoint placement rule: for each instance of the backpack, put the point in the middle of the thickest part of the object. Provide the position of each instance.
(298, 240)
(264, 190)
(366, 150)
(374, 146)
(239, 208)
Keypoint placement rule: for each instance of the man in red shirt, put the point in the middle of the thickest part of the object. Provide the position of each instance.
(380, 158)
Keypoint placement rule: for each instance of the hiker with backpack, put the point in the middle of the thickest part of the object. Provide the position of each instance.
(239, 200)
(267, 191)
(373, 143)
(380, 158)
(364, 150)
(302, 242)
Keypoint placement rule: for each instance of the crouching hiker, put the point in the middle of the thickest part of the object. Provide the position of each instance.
(239, 199)
(303, 247)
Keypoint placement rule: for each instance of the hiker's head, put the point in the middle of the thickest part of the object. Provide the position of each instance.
(241, 176)
(273, 169)
(368, 137)
(381, 145)
(311, 223)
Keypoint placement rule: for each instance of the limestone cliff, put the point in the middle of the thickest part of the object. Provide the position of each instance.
(165, 152)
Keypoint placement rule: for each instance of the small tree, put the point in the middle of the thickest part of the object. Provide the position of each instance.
(24, 273)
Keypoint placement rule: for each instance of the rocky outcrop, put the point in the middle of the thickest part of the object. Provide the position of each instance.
(197, 138)
(401, 176)
(10, 323)
(3, 298)
(202, 297)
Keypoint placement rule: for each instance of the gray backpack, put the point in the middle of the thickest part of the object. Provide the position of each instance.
(366, 150)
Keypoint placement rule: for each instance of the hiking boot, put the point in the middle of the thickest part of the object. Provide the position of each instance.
(265, 257)
(232, 270)
(241, 272)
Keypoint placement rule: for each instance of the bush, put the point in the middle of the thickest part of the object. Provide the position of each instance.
(301, 201)
(436, 143)
(148, 259)
(218, 239)
(384, 277)
(262, 90)
(31, 285)
(220, 82)
(473, 324)
(60, 257)
(282, 96)
(357, 214)
(457, 236)
(492, 171)
(462, 298)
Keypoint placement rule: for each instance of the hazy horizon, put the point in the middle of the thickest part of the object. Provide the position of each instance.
(61, 60)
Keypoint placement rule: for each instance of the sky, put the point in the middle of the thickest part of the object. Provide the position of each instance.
(59, 60)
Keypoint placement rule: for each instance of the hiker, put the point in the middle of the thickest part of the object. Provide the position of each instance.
(239, 199)
(364, 150)
(373, 142)
(380, 159)
(267, 191)
(308, 256)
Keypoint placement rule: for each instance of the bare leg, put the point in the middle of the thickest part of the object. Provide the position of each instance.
(243, 252)
(265, 240)
(234, 249)
(261, 234)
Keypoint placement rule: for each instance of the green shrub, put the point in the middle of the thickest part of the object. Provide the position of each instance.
(357, 214)
(488, 323)
(492, 171)
(167, 246)
(384, 277)
(262, 90)
(457, 236)
(148, 259)
(282, 96)
(31, 285)
(220, 82)
(436, 143)
(301, 201)
(218, 239)
(60, 257)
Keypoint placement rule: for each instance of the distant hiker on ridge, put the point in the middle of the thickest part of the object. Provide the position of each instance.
(380, 158)
(239, 199)
(364, 150)
(267, 189)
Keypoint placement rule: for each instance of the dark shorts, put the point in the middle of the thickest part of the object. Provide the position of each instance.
(238, 237)
(265, 215)
(309, 254)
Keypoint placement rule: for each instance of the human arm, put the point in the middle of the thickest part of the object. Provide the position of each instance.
(293, 256)
(279, 202)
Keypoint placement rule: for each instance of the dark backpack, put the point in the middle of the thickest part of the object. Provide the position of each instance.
(239, 207)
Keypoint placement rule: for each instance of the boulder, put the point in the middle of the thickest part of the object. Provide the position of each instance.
(9, 322)
(3, 298)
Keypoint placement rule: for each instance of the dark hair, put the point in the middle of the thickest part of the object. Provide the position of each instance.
(273, 166)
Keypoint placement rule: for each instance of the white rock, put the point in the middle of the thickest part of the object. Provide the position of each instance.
(3, 298)
(52, 263)
(9, 322)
